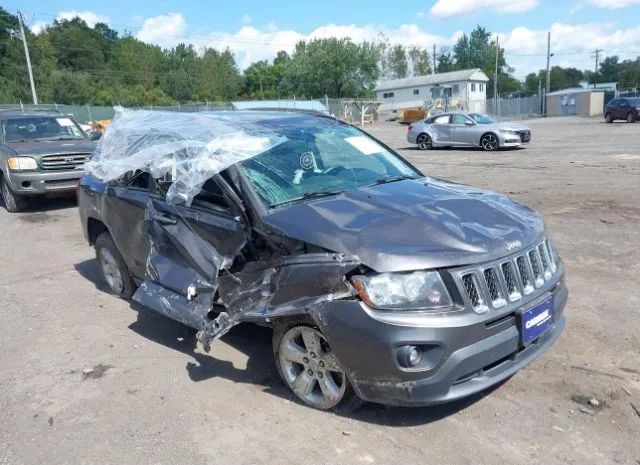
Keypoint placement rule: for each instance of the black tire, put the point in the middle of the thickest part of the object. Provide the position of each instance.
(424, 142)
(348, 401)
(123, 287)
(489, 142)
(631, 118)
(12, 202)
(607, 118)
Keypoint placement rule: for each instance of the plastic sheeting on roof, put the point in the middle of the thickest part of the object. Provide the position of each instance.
(190, 147)
(306, 105)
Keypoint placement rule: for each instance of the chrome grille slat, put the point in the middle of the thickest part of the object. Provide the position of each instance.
(494, 288)
(64, 161)
(499, 284)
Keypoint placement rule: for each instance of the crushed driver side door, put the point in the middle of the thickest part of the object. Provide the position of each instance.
(188, 246)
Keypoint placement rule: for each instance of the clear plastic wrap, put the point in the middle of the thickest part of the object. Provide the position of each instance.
(190, 147)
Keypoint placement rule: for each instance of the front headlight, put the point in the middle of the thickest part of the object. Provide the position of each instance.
(420, 290)
(22, 163)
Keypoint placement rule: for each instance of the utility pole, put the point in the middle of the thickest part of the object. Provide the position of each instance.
(433, 70)
(26, 53)
(495, 77)
(595, 73)
(548, 83)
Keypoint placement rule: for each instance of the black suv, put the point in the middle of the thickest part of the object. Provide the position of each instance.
(41, 152)
(380, 283)
(623, 108)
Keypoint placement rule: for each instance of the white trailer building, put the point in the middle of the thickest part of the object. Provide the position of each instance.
(463, 90)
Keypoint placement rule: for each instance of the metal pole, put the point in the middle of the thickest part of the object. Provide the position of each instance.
(495, 77)
(433, 68)
(26, 53)
(548, 84)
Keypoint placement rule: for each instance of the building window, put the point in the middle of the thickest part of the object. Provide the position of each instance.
(456, 89)
(481, 86)
(387, 95)
(473, 87)
(416, 91)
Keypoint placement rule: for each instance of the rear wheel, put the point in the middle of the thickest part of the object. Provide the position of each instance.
(12, 201)
(424, 142)
(112, 267)
(309, 367)
(489, 142)
(607, 118)
(631, 118)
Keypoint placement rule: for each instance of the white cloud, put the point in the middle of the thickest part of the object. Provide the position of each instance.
(613, 4)
(251, 44)
(88, 17)
(450, 8)
(570, 43)
(38, 27)
(163, 30)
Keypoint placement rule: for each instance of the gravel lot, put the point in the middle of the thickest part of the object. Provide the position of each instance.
(154, 397)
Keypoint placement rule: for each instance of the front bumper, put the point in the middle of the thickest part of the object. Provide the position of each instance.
(465, 355)
(43, 182)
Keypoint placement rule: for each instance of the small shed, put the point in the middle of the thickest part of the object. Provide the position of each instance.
(575, 101)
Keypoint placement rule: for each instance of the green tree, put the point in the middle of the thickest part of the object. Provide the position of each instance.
(531, 84)
(445, 62)
(420, 61)
(630, 78)
(333, 67)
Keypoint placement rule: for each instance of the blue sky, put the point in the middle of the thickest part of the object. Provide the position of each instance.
(257, 29)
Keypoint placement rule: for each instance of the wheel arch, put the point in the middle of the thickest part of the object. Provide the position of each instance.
(95, 227)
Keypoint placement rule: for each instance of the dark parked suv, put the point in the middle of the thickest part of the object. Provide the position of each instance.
(41, 152)
(624, 108)
(380, 283)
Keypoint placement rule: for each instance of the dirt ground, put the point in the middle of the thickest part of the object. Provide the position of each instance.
(154, 397)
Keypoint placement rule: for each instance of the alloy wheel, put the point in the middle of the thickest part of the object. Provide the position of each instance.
(489, 142)
(630, 118)
(111, 271)
(424, 142)
(310, 368)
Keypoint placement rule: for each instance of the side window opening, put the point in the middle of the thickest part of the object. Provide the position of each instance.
(138, 178)
(211, 196)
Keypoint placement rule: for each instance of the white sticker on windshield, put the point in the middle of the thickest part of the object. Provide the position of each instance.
(364, 144)
(65, 121)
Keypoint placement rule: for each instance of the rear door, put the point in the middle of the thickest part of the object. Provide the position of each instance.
(441, 129)
(187, 248)
(463, 131)
(623, 108)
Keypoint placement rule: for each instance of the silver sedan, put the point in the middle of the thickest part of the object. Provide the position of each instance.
(466, 129)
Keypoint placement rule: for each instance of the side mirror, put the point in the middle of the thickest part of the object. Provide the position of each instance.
(469, 123)
(94, 135)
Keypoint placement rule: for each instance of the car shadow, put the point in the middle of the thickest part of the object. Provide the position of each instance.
(459, 149)
(42, 204)
(254, 342)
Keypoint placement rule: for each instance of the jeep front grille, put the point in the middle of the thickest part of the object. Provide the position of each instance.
(64, 161)
(496, 284)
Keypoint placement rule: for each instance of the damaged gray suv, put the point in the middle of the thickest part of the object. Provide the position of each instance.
(380, 283)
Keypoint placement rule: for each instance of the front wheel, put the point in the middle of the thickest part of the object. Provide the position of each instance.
(607, 118)
(424, 142)
(489, 142)
(12, 202)
(309, 367)
(631, 118)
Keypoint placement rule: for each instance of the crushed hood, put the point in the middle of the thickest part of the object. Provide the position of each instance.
(412, 224)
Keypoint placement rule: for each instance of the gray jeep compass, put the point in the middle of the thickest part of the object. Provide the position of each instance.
(41, 152)
(380, 283)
